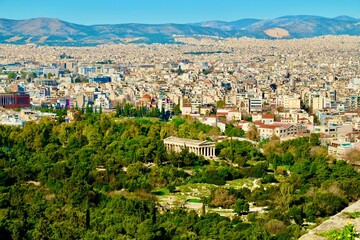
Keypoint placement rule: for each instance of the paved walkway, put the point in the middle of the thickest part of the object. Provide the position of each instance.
(239, 139)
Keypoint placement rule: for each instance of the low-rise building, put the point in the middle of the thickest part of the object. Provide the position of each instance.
(339, 149)
(280, 130)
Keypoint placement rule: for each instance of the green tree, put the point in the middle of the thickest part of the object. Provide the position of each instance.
(315, 139)
(221, 197)
(31, 76)
(241, 206)
(232, 131)
(296, 214)
(275, 227)
(177, 110)
(11, 75)
(253, 133)
(23, 74)
(220, 103)
(288, 159)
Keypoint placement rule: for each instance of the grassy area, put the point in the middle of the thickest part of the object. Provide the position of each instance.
(161, 192)
(353, 215)
(152, 119)
(194, 200)
(252, 163)
(240, 183)
(271, 166)
(309, 225)
(222, 212)
(187, 193)
(196, 189)
(287, 167)
(192, 191)
(347, 232)
(280, 178)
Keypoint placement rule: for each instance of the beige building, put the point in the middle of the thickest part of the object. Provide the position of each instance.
(339, 149)
(291, 102)
(234, 115)
(317, 103)
(203, 148)
(280, 130)
(186, 109)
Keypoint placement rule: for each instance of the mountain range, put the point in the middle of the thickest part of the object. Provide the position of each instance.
(51, 31)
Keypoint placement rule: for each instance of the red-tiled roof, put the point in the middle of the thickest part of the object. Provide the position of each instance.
(353, 133)
(146, 96)
(274, 125)
(272, 116)
(324, 135)
(267, 126)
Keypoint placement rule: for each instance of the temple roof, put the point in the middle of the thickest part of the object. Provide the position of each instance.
(187, 142)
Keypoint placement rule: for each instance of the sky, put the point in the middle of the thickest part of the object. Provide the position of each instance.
(90, 12)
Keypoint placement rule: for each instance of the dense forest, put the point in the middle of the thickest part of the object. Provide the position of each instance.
(96, 178)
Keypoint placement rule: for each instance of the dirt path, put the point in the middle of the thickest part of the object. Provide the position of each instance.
(255, 184)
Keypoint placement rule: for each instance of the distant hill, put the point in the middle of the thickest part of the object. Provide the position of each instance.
(50, 31)
(346, 18)
(229, 26)
(59, 32)
(306, 26)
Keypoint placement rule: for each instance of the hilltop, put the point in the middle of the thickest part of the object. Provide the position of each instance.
(52, 31)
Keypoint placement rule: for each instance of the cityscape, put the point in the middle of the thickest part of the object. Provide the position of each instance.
(245, 129)
(286, 91)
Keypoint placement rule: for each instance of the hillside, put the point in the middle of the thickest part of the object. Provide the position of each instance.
(110, 175)
(49, 31)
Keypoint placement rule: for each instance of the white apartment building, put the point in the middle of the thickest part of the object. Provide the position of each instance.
(256, 104)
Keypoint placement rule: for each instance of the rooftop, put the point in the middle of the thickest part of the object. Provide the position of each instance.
(187, 142)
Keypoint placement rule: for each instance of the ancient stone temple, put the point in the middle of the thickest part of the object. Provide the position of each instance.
(199, 147)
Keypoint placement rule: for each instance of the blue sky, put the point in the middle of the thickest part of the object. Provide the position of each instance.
(170, 11)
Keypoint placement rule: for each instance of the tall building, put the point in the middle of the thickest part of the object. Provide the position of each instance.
(255, 105)
(352, 102)
(317, 103)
